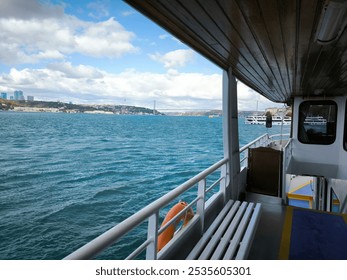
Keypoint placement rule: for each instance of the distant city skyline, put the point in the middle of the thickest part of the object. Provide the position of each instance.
(17, 95)
(104, 52)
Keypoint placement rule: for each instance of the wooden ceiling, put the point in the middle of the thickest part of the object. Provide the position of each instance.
(270, 45)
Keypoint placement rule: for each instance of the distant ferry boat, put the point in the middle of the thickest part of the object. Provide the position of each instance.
(319, 120)
(261, 119)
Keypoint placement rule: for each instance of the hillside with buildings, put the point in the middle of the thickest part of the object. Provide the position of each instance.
(61, 107)
(17, 102)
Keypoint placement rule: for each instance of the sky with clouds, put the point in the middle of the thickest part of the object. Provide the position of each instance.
(104, 52)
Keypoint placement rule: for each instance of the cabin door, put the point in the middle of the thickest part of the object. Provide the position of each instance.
(264, 174)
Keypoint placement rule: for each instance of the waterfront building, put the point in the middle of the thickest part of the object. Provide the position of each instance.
(18, 95)
(30, 98)
(3, 95)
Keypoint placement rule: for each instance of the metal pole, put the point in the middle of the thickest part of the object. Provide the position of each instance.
(152, 234)
(230, 132)
(200, 207)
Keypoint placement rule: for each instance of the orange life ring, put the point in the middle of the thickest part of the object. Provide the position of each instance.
(168, 233)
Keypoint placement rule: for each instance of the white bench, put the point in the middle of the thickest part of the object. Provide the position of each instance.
(230, 235)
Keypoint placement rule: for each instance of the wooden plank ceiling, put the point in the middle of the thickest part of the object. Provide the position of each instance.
(269, 44)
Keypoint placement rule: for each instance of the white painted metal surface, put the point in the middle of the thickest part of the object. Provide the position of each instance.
(230, 235)
(329, 161)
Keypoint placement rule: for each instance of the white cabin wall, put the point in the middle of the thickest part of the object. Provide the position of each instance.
(329, 161)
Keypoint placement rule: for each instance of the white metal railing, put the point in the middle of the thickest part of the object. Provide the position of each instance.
(261, 141)
(151, 214)
(287, 155)
(281, 138)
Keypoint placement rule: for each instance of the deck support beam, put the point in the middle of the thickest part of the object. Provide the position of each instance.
(231, 134)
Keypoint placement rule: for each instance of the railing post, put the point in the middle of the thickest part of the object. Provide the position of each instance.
(287, 154)
(200, 205)
(246, 157)
(152, 233)
(224, 183)
(284, 172)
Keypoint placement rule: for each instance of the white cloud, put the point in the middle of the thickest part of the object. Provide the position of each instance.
(32, 38)
(250, 100)
(29, 9)
(174, 59)
(86, 84)
(32, 32)
(164, 36)
(99, 9)
(105, 39)
(128, 13)
(75, 72)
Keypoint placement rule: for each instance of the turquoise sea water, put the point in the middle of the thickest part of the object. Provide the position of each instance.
(66, 178)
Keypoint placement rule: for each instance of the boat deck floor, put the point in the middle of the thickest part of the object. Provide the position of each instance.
(286, 232)
(267, 240)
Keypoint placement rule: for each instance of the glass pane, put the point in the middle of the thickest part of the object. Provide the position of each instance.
(317, 122)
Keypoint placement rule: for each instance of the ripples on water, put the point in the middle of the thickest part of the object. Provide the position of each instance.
(64, 179)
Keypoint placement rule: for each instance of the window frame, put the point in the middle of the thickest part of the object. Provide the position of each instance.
(344, 144)
(301, 122)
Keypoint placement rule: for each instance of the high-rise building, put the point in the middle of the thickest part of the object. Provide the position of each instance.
(18, 95)
(30, 98)
(3, 95)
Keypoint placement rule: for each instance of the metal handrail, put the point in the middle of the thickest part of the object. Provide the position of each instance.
(109, 237)
(260, 141)
(265, 136)
(278, 135)
(214, 184)
(139, 250)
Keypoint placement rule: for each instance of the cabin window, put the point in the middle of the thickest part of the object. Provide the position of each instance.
(317, 122)
(345, 134)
